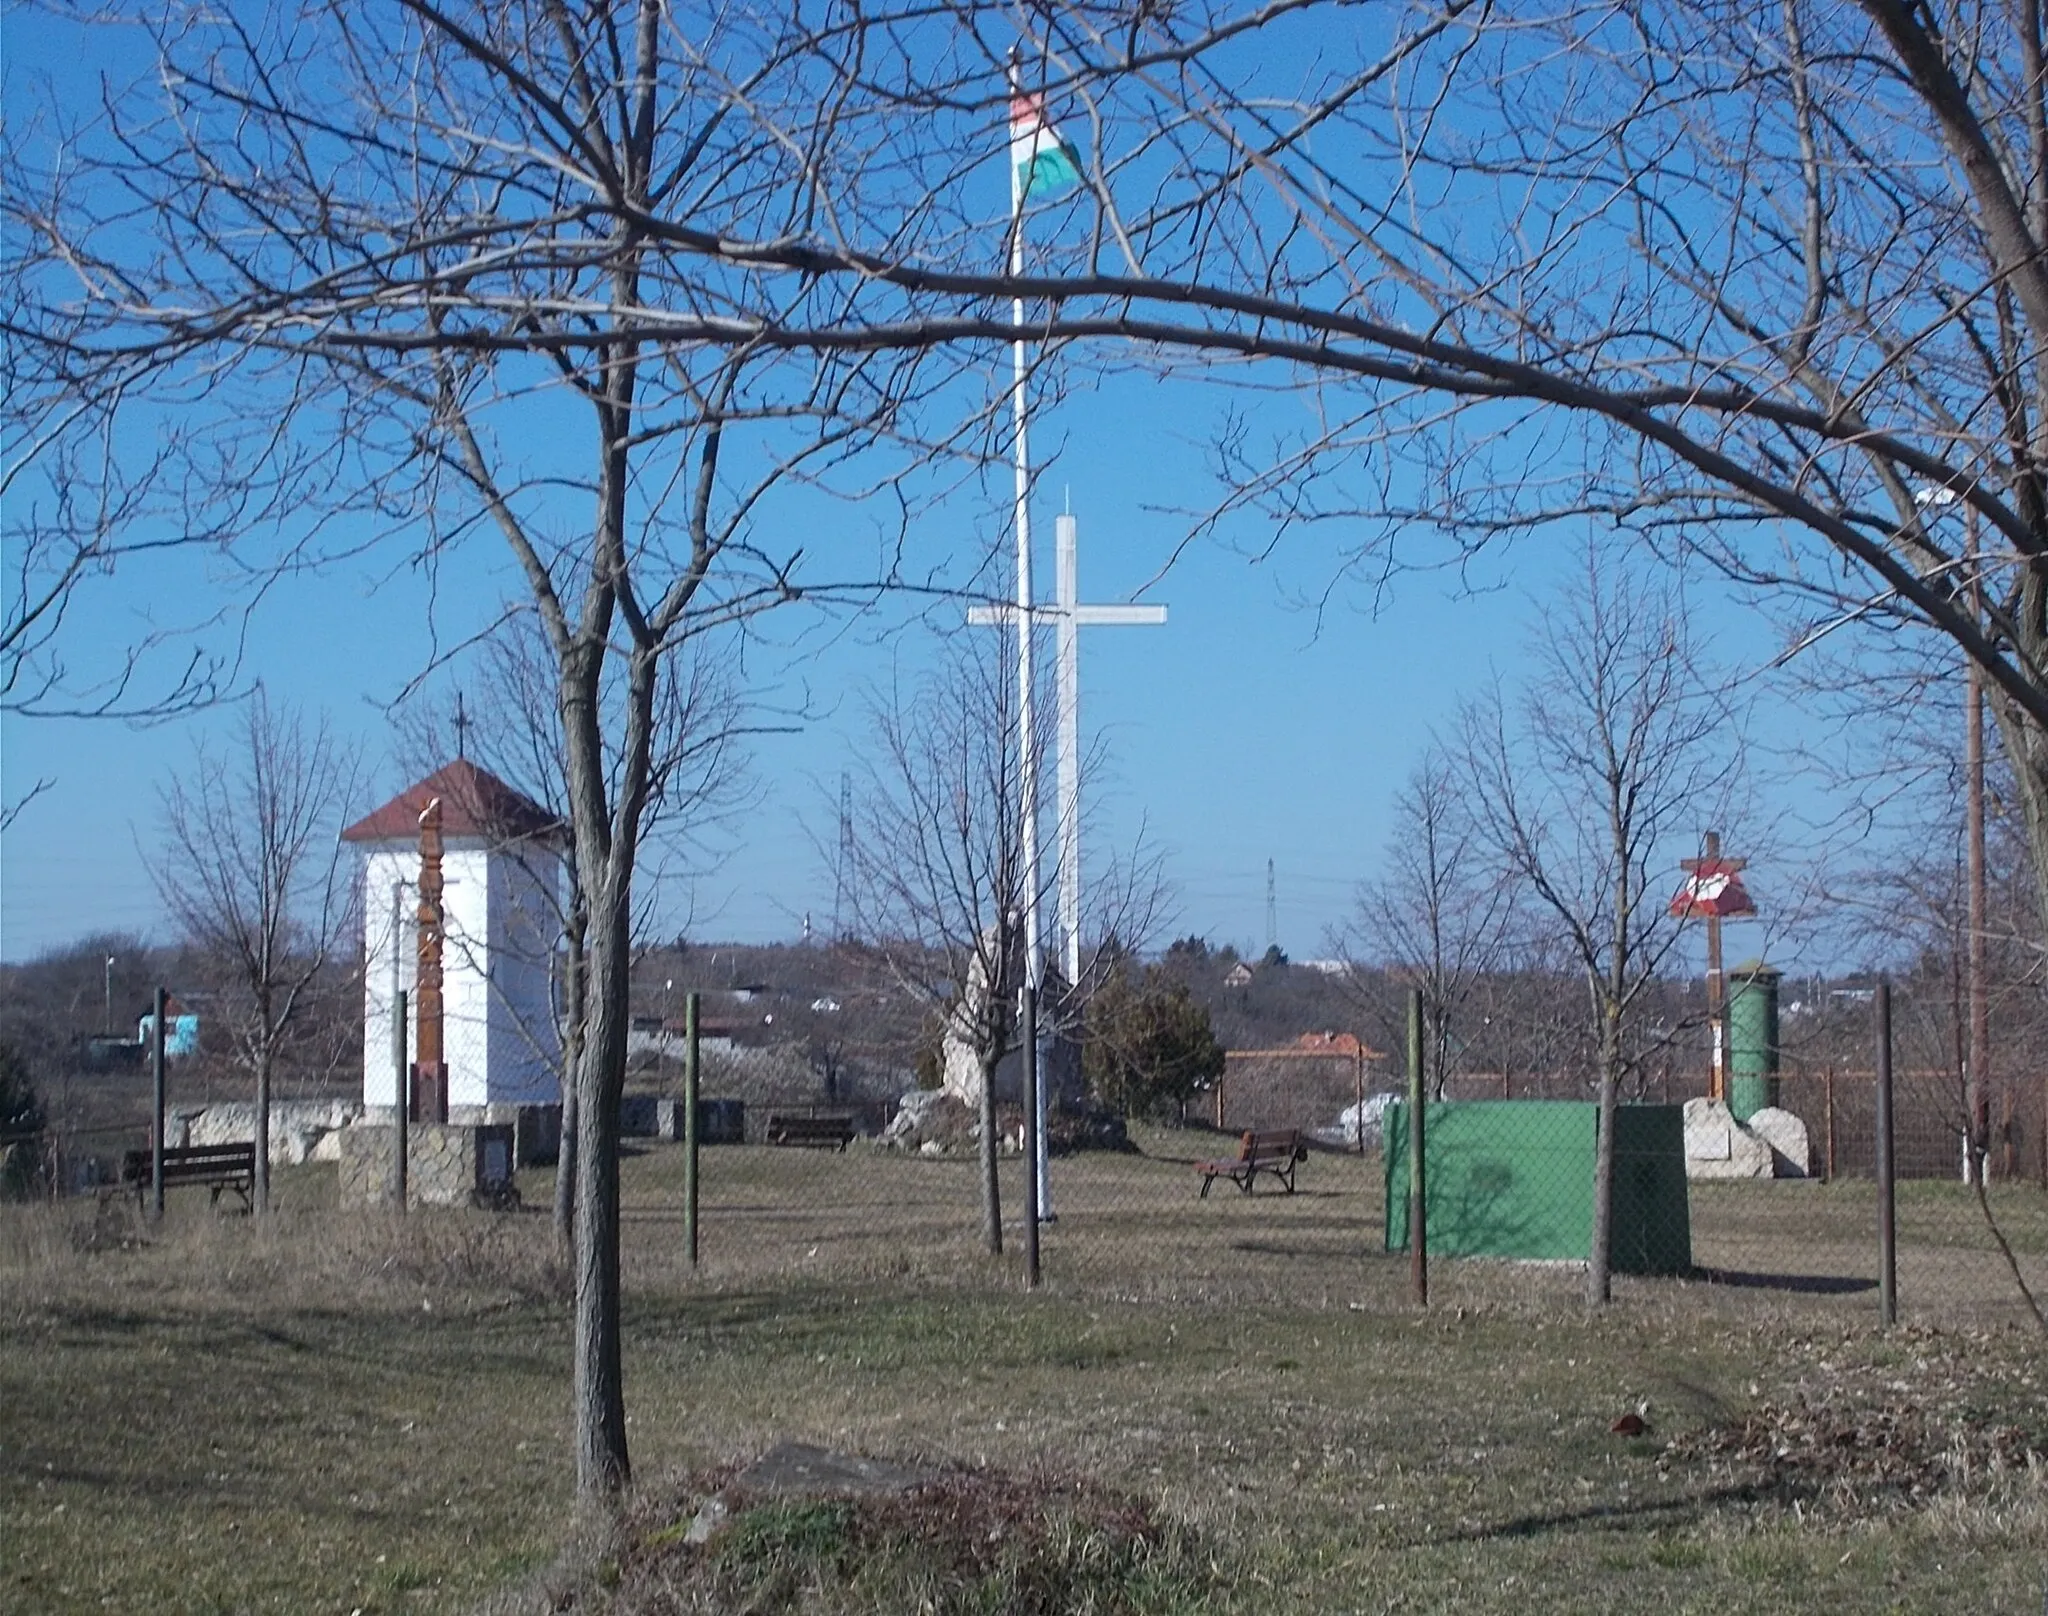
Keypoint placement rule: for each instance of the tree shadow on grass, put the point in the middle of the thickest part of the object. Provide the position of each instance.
(1650, 1512)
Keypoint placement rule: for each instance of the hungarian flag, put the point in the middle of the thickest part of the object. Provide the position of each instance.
(1045, 164)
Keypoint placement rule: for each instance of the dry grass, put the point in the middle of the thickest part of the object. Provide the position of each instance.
(338, 1412)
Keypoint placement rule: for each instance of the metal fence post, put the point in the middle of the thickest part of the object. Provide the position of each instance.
(156, 1132)
(1032, 1124)
(690, 1052)
(1418, 1216)
(401, 1134)
(1887, 1210)
(1827, 1083)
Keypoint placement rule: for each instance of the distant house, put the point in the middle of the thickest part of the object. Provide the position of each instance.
(1238, 976)
(181, 1030)
(1334, 1043)
(668, 1036)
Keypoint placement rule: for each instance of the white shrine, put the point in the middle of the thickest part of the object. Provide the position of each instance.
(501, 919)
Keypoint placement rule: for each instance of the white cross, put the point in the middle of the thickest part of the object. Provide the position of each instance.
(1069, 617)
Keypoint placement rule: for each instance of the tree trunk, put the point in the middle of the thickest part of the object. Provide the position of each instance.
(565, 1167)
(2026, 750)
(262, 1185)
(572, 1058)
(1613, 998)
(1439, 1047)
(1599, 1260)
(991, 1186)
(602, 1464)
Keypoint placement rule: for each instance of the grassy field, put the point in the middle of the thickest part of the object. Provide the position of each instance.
(1225, 1405)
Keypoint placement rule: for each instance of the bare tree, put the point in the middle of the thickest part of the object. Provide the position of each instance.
(1747, 283)
(1587, 784)
(1437, 915)
(1913, 914)
(937, 885)
(80, 498)
(252, 875)
(392, 271)
(936, 890)
(1751, 282)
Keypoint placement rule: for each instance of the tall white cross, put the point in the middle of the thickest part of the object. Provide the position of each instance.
(1068, 617)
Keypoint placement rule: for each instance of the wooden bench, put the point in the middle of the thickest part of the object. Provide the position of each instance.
(218, 1167)
(1257, 1153)
(834, 1132)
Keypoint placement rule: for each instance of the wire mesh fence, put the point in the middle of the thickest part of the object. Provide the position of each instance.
(807, 1175)
(1135, 1224)
(1780, 1209)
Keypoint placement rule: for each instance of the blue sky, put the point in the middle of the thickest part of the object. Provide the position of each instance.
(1252, 727)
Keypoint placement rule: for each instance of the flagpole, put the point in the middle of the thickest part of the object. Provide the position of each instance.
(1034, 965)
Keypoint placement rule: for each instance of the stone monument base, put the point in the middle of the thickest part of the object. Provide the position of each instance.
(447, 1164)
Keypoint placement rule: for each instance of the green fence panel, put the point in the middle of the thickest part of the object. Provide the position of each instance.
(1514, 1178)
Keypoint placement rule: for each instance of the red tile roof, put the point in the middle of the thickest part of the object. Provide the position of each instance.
(474, 802)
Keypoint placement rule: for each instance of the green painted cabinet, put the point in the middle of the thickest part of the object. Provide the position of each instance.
(1514, 1178)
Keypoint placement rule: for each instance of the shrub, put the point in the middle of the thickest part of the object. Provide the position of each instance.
(21, 1128)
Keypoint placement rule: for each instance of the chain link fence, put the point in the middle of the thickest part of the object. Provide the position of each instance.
(1783, 1217)
(810, 1171)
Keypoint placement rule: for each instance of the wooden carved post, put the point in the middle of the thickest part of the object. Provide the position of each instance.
(1713, 890)
(1717, 994)
(430, 1068)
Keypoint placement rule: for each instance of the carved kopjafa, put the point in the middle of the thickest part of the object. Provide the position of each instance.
(430, 1069)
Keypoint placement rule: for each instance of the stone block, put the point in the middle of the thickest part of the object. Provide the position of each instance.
(1717, 1146)
(1790, 1145)
(300, 1130)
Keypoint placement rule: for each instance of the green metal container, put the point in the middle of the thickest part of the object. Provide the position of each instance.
(1752, 1039)
(1514, 1178)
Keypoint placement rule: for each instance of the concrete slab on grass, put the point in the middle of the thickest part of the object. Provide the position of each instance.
(797, 1470)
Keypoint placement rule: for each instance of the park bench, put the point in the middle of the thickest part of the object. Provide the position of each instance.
(830, 1132)
(218, 1167)
(1257, 1153)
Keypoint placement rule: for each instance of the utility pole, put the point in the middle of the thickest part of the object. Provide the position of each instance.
(843, 861)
